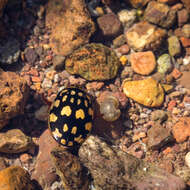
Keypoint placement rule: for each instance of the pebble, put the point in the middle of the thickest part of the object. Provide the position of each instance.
(47, 83)
(42, 113)
(58, 62)
(159, 115)
(187, 159)
(174, 46)
(143, 63)
(30, 55)
(164, 64)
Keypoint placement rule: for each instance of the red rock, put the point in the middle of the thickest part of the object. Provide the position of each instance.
(176, 73)
(94, 85)
(33, 71)
(171, 105)
(181, 130)
(187, 50)
(35, 79)
(44, 171)
(177, 6)
(185, 41)
(143, 63)
(25, 158)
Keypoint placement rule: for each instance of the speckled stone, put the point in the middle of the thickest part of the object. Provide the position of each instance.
(174, 46)
(93, 62)
(164, 64)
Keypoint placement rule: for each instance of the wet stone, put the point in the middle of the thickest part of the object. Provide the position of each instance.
(14, 141)
(145, 36)
(143, 63)
(68, 167)
(93, 62)
(30, 55)
(160, 14)
(158, 136)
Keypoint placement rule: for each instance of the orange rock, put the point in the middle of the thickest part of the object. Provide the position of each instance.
(176, 73)
(185, 42)
(15, 177)
(143, 62)
(181, 130)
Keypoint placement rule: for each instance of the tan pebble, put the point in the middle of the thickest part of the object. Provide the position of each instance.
(25, 158)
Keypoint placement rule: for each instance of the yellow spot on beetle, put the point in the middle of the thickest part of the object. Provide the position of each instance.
(56, 103)
(56, 133)
(70, 143)
(73, 92)
(80, 114)
(53, 117)
(79, 139)
(63, 141)
(64, 98)
(72, 100)
(66, 111)
(86, 103)
(62, 92)
(65, 128)
(80, 94)
(74, 130)
(78, 101)
(88, 126)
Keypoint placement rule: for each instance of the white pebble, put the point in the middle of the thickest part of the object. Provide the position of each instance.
(186, 60)
(187, 159)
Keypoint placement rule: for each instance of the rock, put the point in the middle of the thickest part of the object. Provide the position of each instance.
(93, 62)
(184, 80)
(14, 141)
(143, 63)
(182, 16)
(58, 62)
(13, 95)
(186, 30)
(174, 46)
(109, 25)
(187, 159)
(71, 26)
(181, 130)
(44, 171)
(9, 51)
(127, 17)
(159, 116)
(185, 42)
(160, 14)
(186, 4)
(119, 41)
(2, 163)
(164, 64)
(151, 92)
(123, 50)
(42, 113)
(47, 83)
(145, 36)
(15, 177)
(138, 3)
(30, 55)
(158, 136)
(73, 175)
(112, 169)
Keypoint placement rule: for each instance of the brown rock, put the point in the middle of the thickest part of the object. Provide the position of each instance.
(160, 14)
(182, 16)
(44, 171)
(181, 130)
(73, 175)
(168, 1)
(113, 169)
(109, 25)
(145, 36)
(143, 63)
(93, 62)
(186, 4)
(70, 27)
(158, 136)
(14, 177)
(2, 163)
(138, 3)
(14, 141)
(13, 96)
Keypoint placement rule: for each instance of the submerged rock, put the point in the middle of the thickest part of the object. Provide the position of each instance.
(14, 141)
(15, 177)
(145, 36)
(13, 95)
(70, 170)
(93, 62)
(113, 169)
(147, 92)
(70, 27)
